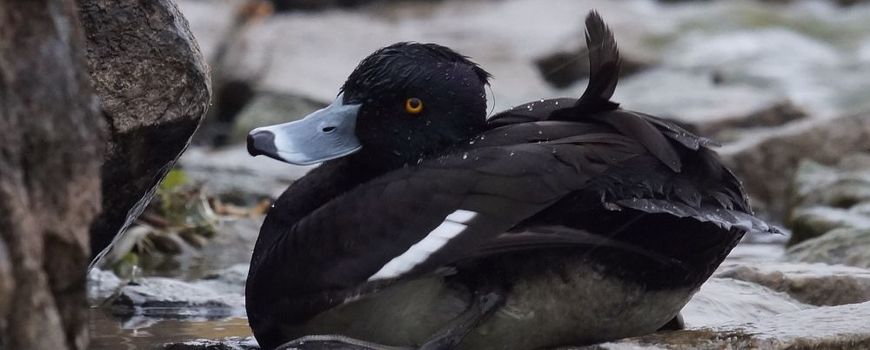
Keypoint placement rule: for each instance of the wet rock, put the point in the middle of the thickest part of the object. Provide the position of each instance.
(269, 107)
(808, 223)
(813, 284)
(164, 297)
(723, 300)
(694, 98)
(840, 186)
(232, 343)
(767, 161)
(828, 197)
(841, 246)
(771, 58)
(836, 327)
(102, 284)
(153, 86)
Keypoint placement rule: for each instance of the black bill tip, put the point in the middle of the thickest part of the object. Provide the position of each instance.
(262, 142)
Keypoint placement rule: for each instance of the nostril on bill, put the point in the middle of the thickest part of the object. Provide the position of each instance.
(328, 129)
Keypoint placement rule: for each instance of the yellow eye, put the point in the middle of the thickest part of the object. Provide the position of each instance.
(413, 105)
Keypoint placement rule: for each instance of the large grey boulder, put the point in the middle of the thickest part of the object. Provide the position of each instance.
(50, 149)
(154, 89)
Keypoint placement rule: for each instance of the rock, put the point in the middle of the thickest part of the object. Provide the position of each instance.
(693, 98)
(840, 186)
(841, 246)
(774, 58)
(232, 343)
(50, 147)
(723, 300)
(836, 327)
(269, 107)
(217, 297)
(767, 162)
(563, 68)
(153, 86)
(813, 284)
(828, 197)
(807, 223)
(102, 284)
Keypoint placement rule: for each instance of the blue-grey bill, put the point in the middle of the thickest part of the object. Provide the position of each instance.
(326, 134)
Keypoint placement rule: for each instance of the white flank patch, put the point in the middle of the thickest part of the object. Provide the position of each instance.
(453, 225)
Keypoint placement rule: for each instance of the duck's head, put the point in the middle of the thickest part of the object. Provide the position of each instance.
(402, 103)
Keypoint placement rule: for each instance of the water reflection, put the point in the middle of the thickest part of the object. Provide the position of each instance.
(111, 333)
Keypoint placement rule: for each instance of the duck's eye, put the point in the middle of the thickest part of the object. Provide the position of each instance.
(413, 105)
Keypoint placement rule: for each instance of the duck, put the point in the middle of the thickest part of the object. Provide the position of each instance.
(427, 225)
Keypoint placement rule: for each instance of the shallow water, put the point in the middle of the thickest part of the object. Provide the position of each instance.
(110, 333)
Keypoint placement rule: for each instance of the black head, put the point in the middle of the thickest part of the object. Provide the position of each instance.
(402, 103)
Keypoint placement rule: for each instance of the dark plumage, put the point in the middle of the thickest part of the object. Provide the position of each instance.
(564, 221)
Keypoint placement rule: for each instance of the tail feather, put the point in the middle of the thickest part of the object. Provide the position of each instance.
(603, 64)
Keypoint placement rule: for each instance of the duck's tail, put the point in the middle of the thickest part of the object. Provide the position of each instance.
(604, 65)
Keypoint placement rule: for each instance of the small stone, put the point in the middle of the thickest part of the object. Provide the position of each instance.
(841, 246)
(813, 284)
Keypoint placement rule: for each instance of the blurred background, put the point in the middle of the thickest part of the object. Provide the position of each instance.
(783, 85)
